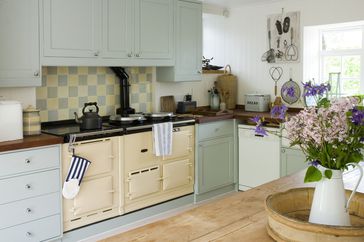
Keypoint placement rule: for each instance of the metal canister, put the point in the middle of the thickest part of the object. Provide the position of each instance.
(31, 121)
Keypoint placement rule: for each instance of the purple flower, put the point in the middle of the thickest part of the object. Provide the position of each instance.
(314, 163)
(256, 119)
(357, 116)
(279, 111)
(289, 91)
(313, 90)
(259, 130)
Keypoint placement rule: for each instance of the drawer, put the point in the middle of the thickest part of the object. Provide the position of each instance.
(27, 186)
(30, 209)
(215, 129)
(39, 230)
(29, 160)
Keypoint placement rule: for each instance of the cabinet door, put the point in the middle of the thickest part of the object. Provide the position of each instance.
(188, 41)
(19, 48)
(71, 28)
(153, 29)
(176, 174)
(181, 142)
(216, 164)
(117, 25)
(292, 160)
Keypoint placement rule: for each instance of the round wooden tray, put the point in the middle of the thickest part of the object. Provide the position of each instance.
(288, 214)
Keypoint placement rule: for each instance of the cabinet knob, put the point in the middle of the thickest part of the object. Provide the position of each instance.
(137, 55)
(27, 161)
(29, 234)
(130, 54)
(97, 53)
(27, 186)
(28, 210)
(199, 72)
(283, 150)
(36, 73)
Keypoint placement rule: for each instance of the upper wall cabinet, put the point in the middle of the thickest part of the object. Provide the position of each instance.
(19, 43)
(188, 44)
(108, 32)
(71, 28)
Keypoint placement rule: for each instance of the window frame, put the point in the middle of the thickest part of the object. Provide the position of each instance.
(341, 54)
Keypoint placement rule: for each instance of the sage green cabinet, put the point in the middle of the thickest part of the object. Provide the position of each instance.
(188, 44)
(292, 160)
(216, 159)
(19, 43)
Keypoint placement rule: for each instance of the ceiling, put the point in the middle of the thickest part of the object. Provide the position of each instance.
(235, 3)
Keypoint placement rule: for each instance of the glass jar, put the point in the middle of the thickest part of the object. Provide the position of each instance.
(214, 101)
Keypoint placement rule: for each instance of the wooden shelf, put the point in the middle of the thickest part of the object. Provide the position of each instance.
(212, 71)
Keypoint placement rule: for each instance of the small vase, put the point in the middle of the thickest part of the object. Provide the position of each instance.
(329, 204)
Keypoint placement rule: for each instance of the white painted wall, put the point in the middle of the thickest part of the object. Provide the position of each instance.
(25, 95)
(246, 37)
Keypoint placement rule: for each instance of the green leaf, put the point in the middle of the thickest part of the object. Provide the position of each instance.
(328, 173)
(323, 102)
(313, 174)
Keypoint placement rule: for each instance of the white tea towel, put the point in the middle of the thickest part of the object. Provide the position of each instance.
(162, 139)
(77, 170)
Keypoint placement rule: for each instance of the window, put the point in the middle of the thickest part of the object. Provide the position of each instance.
(335, 53)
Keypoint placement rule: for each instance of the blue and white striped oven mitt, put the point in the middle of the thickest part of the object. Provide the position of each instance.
(77, 170)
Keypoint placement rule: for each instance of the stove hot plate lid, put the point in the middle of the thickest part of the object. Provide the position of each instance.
(160, 115)
(128, 119)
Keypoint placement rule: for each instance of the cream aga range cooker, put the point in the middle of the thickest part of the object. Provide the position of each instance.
(124, 174)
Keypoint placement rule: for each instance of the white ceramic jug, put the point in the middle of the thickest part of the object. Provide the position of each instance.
(329, 205)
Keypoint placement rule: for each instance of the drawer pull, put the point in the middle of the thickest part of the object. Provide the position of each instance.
(28, 210)
(27, 161)
(28, 234)
(143, 150)
(27, 186)
(217, 130)
(176, 129)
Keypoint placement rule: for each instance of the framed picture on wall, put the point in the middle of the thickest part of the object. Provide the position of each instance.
(284, 34)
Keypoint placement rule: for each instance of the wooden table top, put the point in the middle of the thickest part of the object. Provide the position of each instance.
(239, 216)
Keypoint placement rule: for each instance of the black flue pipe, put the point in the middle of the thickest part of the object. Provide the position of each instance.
(125, 108)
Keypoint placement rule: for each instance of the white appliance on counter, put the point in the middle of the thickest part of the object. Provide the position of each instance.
(259, 157)
(11, 120)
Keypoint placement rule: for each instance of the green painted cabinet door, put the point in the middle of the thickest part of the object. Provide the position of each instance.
(19, 43)
(292, 160)
(153, 29)
(215, 164)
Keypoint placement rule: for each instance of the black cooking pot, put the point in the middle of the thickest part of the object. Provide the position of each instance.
(90, 119)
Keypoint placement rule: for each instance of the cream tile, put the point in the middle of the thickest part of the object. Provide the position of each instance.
(41, 92)
(102, 111)
(52, 81)
(101, 90)
(73, 80)
(82, 70)
(63, 92)
(44, 70)
(142, 98)
(73, 102)
(142, 77)
(62, 70)
(92, 99)
(110, 79)
(52, 104)
(92, 80)
(101, 70)
(63, 114)
(110, 100)
(43, 116)
(82, 91)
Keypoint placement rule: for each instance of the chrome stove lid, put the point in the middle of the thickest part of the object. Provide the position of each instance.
(129, 119)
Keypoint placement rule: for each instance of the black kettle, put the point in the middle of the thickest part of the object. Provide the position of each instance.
(90, 119)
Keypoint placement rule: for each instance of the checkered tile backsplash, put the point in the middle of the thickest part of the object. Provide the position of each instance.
(64, 91)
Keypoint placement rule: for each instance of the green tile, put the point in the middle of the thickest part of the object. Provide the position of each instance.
(92, 70)
(142, 88)
(44, 81)
(53, 115)
(62, 80)
(110, 90)
(73, 91)
(149, 77)
(91, 90)
(72, 70)
(101, 101)
(52, 92)
(82, 80)
(82, 101)
(62, 103)
(101, 79)
(134, 98)
(52, 70)
(142, 107)
(41, 104)
(72, 111)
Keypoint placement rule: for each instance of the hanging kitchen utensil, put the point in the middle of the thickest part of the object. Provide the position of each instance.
(291, 50)
(276, 74)
(290, 90)
(269, 55)
(226, 84)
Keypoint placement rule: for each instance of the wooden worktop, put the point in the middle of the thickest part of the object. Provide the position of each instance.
(30, 142)
(239, 216)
